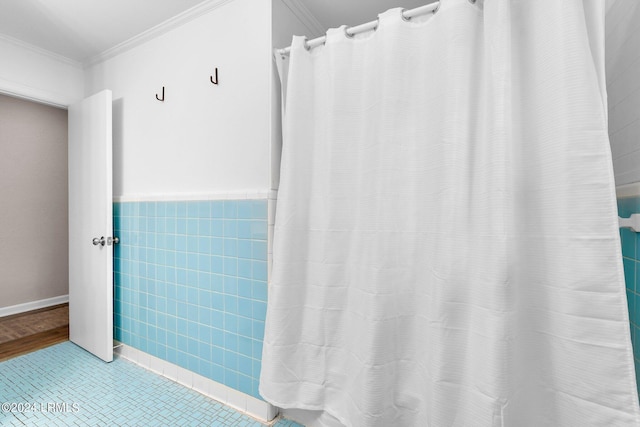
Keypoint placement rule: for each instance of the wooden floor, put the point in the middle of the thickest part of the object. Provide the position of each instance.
(33, 330)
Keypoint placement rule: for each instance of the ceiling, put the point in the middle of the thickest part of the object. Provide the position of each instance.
(333, 13)
(81, 29)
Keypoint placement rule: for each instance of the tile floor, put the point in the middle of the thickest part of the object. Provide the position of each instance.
(65, 386)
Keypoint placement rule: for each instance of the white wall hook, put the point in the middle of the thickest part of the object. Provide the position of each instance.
(633, 222)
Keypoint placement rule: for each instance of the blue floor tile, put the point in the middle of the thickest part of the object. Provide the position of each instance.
(64, 385)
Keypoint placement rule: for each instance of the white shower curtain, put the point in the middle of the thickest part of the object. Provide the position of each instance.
(446, 245)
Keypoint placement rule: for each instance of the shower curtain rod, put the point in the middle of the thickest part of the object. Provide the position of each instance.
(352, 31)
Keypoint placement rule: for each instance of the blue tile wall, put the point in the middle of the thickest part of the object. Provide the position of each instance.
(191, 285)
(631, 260)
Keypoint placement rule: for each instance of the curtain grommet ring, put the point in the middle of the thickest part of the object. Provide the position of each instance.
(437, 8)
(346, 33)
(306, 44)
(404, 18)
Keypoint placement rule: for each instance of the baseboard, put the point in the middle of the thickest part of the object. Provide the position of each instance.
(255, 408)
(33, 305)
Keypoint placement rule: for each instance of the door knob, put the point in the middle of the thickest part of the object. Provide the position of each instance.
(99, 241)
(112, 240)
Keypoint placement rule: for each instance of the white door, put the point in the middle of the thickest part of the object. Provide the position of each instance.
(91, 226)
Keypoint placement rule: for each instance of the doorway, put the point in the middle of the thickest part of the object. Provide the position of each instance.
(34, 215)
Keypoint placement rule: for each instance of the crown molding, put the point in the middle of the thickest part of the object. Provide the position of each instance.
(305, 16)
(155, 31)
(40, 51)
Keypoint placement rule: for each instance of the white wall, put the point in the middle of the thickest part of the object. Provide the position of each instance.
(203, 139)
(623, 86)
(33, 73)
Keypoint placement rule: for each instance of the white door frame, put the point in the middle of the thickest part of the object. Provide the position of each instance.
(36, 95)
(45, 97)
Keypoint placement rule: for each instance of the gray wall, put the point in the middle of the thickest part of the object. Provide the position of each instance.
(33, 202)
(623, 87)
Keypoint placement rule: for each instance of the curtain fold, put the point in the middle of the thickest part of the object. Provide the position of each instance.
(446, 250)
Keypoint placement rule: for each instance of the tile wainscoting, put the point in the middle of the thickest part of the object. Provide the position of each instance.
(628, 204)
(191, 285)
